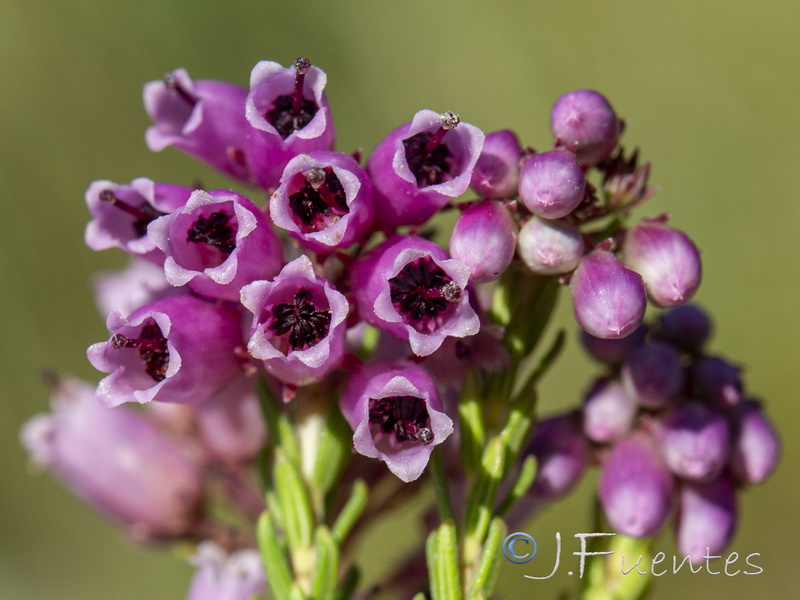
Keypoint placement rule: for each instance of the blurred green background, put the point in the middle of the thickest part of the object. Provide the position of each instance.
(710, 92)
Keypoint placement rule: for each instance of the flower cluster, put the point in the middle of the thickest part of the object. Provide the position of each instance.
(338, 299)
(672, 429)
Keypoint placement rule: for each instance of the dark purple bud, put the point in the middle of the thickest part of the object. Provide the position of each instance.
(636, 488)
(409, 287)
(116, 461)
(608, 300)
(562, 454)
(716, 380)
(551, 184)
(695, 441)
(550, 247)
(298, 323)
(687, 327)
(290, 115)
(653, 374)
(706, 517)
(495, 175)
(324, 200)
(608, 411)
(179, 349)
(667, 260)
(203, 118)
(484, 238)
(217, 243)
(121, 214)
(220, 576)
(396, 414)
(756, 447)
(421, 165)
(584, 122)
(613, 352)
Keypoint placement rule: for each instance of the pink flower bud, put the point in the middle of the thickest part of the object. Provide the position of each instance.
(551, 184)
(550, 247)
(706, 518)
(608, 300)
(495, 175)
(484, 238)
(584, 122)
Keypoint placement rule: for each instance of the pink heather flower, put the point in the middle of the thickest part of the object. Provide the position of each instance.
(324, 200)
(220, 576)
(550, 247)
(395, 411)
(756, 446)
(484, 238)
(409, 287)
(551, 184)
(653, 374)
(608, 300)
(584, 123)
(217, 243)
(706, 517)
(124, 291)
(116, 461)
(179, 349)
(495, 174)
(290, 115)
(717, 381)
(667, 260)
(298, 323)
(694, 441)
(636, 489)
(420, 165)
(121, 214)
(203, 118)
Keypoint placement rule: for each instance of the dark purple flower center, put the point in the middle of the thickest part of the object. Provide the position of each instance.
(304, 323)
(320, 202)
(423, 293)
(152, 347)
(213, 231)
(292, 112)
(405, 417)
(143, 214)
(429, 159)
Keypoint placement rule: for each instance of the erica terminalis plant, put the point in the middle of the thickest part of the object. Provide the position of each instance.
(312, 350)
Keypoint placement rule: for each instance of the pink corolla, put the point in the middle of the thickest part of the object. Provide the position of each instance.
(117, 461)
(396, 414)
(298, 323)
(222, 576)
(180, 349)
(409, 287)
(122, 212)
(421, 165)
(289, 114)
(218, 242)
(204, 118)
(324, 200)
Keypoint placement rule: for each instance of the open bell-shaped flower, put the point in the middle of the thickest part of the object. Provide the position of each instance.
(396, 414)
(204, 118)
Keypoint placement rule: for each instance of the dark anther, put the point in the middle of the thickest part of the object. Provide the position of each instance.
(152, 347)
(320, 202)
(173, 86)
(302, 65)
(431, 164)
(422, 290)
(305, 324)
(142, 215)
(404, 416)
(213, 231)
